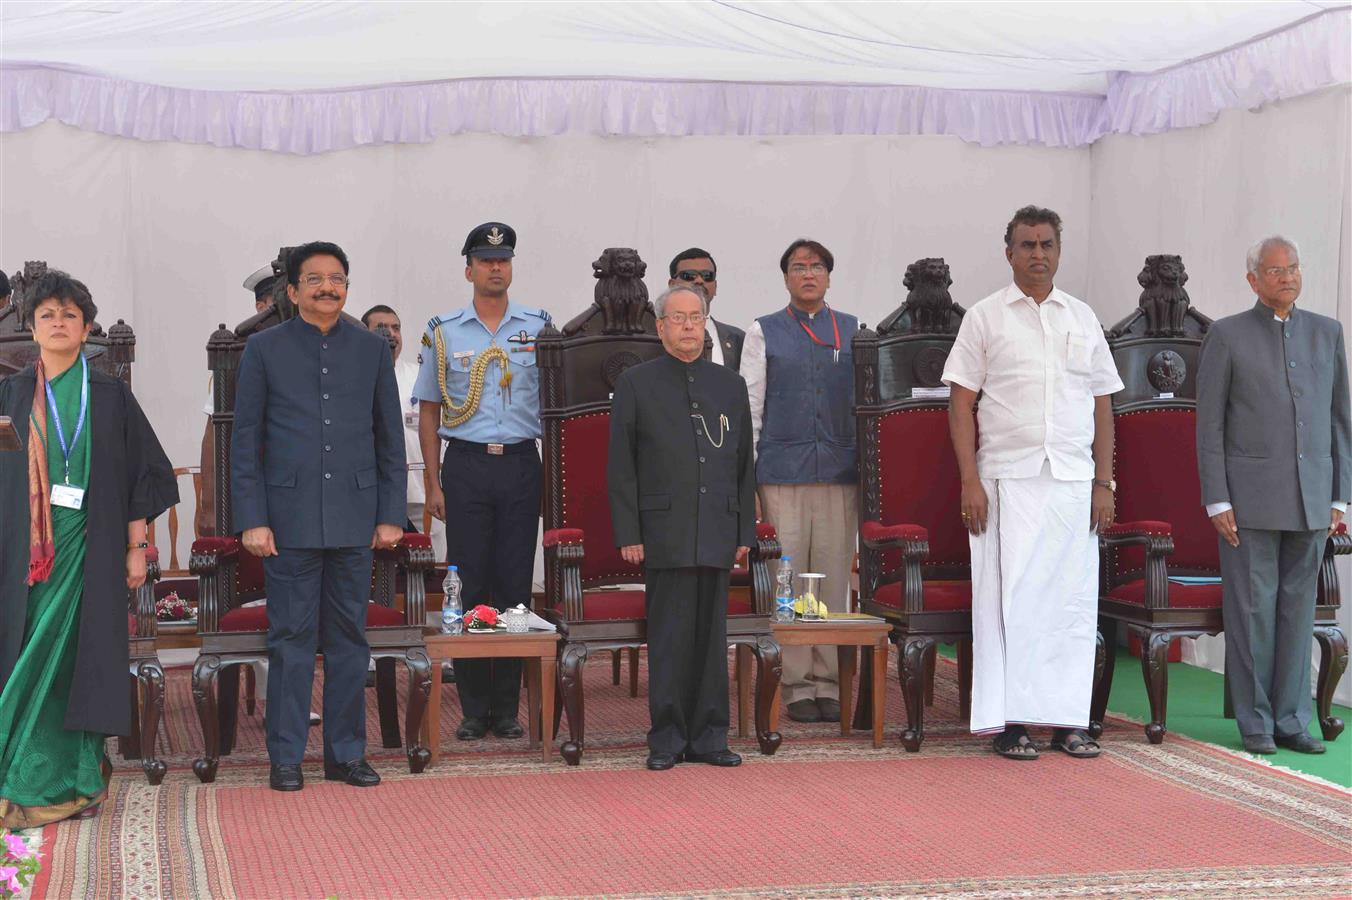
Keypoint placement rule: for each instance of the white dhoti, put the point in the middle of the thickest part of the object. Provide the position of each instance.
(1034, 605)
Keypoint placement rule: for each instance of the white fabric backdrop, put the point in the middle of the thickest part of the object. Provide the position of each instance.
(164, 232)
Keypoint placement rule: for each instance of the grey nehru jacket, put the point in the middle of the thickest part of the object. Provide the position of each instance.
(1274, 431)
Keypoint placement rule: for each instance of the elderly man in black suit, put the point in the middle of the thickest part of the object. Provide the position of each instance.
(682, 502)
(318, 481)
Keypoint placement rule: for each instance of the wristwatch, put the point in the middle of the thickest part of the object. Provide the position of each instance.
(1110, 484)
(140, 545)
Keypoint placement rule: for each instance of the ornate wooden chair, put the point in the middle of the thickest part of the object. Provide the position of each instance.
(233, 633)
(914, 563)
(578, 368)
(111, 353)
(1162, 530)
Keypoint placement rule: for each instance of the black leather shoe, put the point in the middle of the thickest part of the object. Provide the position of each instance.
(1259, 743)
(804, 710)
(471, 729)
(724, 758)
(660, 762)
(357, 773)
(1301, 743)
(508, 728)
(286, 778)
(829, 707)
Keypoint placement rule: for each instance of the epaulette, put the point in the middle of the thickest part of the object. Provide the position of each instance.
(537, 313)
(437, 321)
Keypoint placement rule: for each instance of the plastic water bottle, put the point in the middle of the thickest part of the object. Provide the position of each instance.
(784, 590)
(452, 614)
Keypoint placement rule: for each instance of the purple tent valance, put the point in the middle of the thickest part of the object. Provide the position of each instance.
(1305, 57)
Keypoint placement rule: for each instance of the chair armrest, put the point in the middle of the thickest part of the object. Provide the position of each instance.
(1158, 541)
(416, 557)
(564, 552)
(1338, 544)
(758, 558)
(142, 599)
(214, 560)
(904, 537)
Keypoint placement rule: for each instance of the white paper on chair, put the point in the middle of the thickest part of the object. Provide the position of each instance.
(930, 393)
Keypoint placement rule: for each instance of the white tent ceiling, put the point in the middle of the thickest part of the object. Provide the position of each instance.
(290, 46)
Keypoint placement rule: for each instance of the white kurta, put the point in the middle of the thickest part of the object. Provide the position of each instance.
(1035, 568)
(405, 374)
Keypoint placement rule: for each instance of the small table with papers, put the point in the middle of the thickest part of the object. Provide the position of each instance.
(537, 648)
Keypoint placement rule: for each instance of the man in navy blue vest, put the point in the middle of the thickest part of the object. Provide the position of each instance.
(800, 377)
(318, 481)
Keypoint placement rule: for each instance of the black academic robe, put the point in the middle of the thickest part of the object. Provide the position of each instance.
(129, 478)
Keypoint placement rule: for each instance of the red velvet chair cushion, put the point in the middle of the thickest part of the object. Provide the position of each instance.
(584, 452)
(1181, 596)
(131, 625)
(255, 618)
(938, 596)
(919, 483)
(1155, 464)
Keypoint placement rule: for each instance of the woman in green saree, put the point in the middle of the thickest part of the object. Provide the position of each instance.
(93, 474)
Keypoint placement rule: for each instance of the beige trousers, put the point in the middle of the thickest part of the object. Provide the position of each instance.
(818, 525)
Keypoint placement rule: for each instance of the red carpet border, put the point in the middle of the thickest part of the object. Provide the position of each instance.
(825, 817)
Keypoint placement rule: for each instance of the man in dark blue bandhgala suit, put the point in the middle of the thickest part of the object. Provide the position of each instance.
(318, 480)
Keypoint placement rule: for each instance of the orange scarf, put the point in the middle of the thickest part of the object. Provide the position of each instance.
(41, 545)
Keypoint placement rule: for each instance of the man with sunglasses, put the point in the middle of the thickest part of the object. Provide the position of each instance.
(800, 377)
(697, 267)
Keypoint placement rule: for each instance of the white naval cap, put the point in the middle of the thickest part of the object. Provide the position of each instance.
(257, 278)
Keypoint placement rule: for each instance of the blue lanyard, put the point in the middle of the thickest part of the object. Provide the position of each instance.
(56, 414)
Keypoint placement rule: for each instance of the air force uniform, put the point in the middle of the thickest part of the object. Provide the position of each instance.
(490, 473)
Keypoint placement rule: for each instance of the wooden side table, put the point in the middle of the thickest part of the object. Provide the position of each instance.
(539, 650)
(846, 636)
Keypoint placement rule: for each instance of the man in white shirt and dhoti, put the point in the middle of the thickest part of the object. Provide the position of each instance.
(1034, 493)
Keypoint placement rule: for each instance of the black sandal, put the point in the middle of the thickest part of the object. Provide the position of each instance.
(1014, 743)
(1074, 742)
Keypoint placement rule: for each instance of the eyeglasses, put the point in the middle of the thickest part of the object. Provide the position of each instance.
(679, 319)
(701, 274)
(1279, 271)
(801, 269)
(316, 280)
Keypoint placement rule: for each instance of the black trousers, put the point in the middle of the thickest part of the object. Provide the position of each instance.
(316, 596)
(492, 520)
(687, 659)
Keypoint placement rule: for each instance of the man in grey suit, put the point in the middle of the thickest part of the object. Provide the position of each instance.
(1274, 452)
(683, 504)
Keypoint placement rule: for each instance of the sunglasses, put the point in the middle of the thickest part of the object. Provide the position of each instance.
(701, 274)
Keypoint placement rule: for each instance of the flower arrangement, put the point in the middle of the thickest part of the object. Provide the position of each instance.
(172, 608)
(481, 618)
(18, 864)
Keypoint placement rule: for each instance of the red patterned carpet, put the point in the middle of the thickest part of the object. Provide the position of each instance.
(825, 817)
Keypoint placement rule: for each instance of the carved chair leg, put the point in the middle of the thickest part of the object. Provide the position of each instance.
(228, 706)
(965, 678)
(1155, 667)
(769, 669)
(1332, 665)
(929, 679)
(863, 707)
(570, 672)
(633, 671)
(419, 691)
(1105, 662)
(387, 702)
(151, 677)
(250, 690)
(1101, 669)
(204, 674)
(913, 665)
(615, 665)
(129, 745)
(558, 696)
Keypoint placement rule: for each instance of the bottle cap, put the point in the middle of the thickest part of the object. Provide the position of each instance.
(786, 558)
(453, 568)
